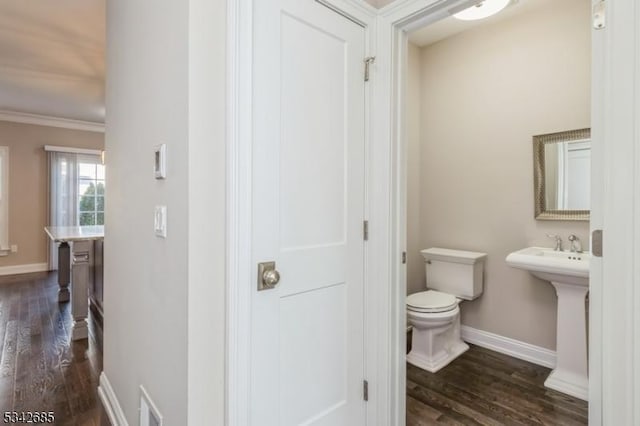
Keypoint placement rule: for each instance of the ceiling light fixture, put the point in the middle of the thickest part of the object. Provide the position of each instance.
(482, 10)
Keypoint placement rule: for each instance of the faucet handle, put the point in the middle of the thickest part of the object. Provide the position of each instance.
(558, 241)
(575, 243)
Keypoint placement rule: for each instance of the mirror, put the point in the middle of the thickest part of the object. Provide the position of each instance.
(562, 175)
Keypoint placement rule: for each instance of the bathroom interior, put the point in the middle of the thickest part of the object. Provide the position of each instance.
(491, 105)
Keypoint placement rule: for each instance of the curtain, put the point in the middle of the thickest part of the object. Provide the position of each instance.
(63, 195)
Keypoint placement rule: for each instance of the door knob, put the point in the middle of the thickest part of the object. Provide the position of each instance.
(271, 278)
(268, 276)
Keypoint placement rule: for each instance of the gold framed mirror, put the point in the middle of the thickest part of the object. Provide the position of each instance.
(561, 175)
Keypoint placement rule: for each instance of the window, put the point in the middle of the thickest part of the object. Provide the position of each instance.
(91, 186)
(76, 190)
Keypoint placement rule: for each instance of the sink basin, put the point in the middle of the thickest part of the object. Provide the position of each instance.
(551, 265)
(568, 272)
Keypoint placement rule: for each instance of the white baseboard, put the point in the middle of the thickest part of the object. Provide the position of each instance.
(508, 346)
(110, 402)
(23, 269)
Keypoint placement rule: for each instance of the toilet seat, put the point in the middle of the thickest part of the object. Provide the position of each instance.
(431, 301)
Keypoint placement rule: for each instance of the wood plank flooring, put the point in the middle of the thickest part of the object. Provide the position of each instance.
(483, 387)
(40, 370)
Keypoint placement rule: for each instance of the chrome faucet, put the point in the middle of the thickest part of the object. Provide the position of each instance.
(558, 241)
(576, 247)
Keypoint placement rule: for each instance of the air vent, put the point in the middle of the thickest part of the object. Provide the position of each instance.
(149, 414)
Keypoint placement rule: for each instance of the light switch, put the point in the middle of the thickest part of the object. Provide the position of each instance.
(160, 221)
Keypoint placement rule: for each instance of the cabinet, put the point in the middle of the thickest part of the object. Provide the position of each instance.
(96, 289)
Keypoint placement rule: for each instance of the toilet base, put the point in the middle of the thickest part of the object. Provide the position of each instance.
(433, 365)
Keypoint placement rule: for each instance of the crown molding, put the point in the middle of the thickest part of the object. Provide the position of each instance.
(46, 120)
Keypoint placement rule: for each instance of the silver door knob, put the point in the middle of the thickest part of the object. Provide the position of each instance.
(268, 276)
(271, 278)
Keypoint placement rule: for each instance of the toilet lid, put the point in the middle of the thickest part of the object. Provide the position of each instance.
(431, 301)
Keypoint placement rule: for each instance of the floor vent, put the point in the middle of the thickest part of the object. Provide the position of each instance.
(149, 414)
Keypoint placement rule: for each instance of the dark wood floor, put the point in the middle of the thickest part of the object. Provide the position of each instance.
(483, 387)
(40, 370)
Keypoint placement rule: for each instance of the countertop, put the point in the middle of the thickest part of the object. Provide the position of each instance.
(74, 233)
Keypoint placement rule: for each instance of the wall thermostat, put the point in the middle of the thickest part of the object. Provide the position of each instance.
(160, 161)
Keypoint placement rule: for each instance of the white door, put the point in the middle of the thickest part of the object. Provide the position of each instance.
(307, 341)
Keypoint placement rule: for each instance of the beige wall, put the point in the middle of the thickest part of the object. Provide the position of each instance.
(415, 265)
(28, 184)
(484, 94)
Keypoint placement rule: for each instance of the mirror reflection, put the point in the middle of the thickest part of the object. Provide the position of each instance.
(562, 175)
(567, 174)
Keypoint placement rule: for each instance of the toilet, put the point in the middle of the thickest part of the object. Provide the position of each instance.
(434, 314)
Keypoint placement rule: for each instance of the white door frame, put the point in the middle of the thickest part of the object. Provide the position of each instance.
(614, 349)
(238, 202)
(388, 214)
(614, 364)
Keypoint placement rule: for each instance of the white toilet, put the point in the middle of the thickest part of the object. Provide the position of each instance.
(452, 276)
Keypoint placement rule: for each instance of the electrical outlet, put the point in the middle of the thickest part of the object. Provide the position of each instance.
(14, 248)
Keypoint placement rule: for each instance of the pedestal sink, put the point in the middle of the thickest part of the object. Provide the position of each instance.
(568, 272)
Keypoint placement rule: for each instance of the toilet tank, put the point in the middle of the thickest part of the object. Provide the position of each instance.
(456, 272)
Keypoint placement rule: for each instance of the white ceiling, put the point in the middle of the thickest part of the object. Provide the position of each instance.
(52, 53)
(52, 58)
(451, 26)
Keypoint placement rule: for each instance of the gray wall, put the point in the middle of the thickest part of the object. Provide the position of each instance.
(164, 298)
(483, 94)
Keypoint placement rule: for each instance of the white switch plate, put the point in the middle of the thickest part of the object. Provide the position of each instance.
(160, 221)
(14, 248)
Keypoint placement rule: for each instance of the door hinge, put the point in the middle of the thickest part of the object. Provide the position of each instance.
(365, 390)
(365, 230)
(599, 15)
(367, 62)
(596, 242)
(404, 257)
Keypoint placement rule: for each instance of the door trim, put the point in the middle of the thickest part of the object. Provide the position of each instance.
(614, 383)
(388, 200)
(238, 200)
